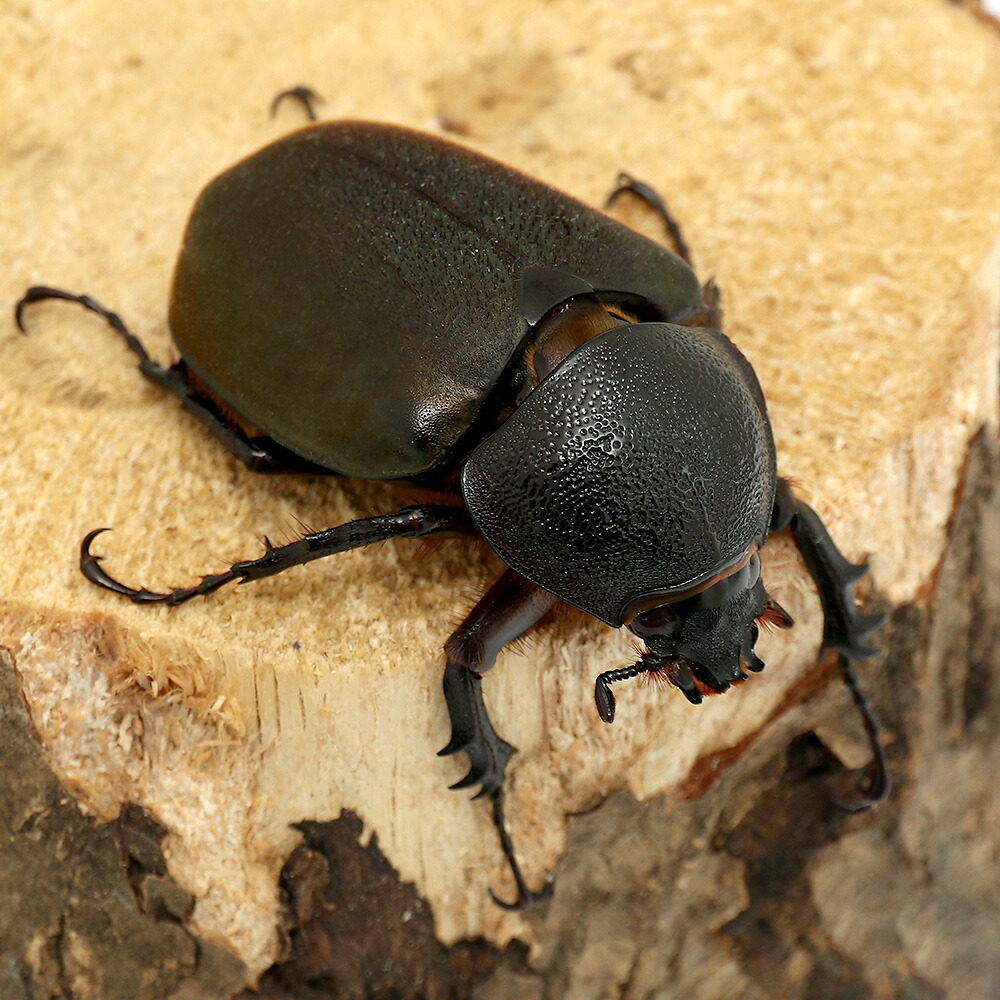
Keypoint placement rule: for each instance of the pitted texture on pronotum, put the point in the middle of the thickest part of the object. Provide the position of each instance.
(643, 463)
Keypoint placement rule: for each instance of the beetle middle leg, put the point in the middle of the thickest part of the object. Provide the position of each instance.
(627, 184)
(845, 628)
(258, 453)
(410, 522)
(509, 609)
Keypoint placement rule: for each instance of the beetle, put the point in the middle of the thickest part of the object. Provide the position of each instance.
(368, 300)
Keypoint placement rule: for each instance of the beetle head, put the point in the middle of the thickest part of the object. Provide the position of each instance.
(701, 642)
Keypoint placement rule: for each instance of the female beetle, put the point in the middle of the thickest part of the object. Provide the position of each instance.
(372, 301)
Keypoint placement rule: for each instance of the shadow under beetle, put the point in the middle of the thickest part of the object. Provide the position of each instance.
(373, 301)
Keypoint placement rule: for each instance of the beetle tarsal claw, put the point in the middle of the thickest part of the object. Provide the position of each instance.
(527, 900)
(871, 795)
(880, 783)
(91, 569)
(526, 897)
(306, 97)
(874, 792)
(39, 293)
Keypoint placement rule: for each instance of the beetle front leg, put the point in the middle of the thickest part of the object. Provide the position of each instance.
(508, 610)
(845, 628)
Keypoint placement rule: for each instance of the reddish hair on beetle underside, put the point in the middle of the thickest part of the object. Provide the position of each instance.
(666, 675)
(774, 616)
(658, 677)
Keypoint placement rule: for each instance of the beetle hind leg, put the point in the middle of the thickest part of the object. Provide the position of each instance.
(306, 97)
(510, 608)
(258, 453)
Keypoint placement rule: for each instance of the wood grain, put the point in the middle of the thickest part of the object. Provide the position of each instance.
(835, 168)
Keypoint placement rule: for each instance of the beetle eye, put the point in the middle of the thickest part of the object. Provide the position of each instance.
(661, 620)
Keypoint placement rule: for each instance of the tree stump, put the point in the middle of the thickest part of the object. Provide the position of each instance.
(243, 793)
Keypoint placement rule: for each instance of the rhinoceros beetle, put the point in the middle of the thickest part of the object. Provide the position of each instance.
(376, 302)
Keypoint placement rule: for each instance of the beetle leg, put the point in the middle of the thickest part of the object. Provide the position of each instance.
(509, 609)
(627, 184)
(712, 315)
(410, 522)
(845, 628)
(306, 96)
(39, 293)
(258, 453)
(880, 782)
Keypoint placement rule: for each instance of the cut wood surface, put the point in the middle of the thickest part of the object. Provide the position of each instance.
(837, 170)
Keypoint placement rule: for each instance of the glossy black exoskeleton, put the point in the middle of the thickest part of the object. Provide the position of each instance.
(383, 304)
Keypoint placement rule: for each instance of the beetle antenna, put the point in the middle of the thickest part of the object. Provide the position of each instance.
(603, 695)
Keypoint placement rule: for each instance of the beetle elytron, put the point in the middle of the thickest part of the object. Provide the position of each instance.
(384, 304)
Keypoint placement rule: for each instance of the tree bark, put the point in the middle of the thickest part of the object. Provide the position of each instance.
(243, 793)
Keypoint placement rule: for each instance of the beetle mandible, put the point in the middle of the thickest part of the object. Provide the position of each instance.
(384, 304)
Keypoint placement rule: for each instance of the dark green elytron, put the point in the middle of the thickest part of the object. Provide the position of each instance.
(376, 302)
